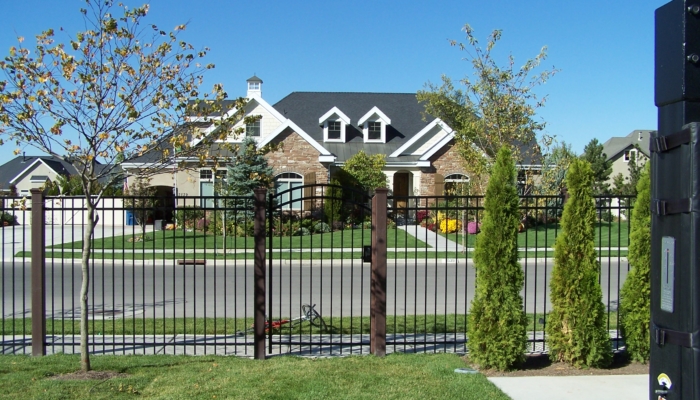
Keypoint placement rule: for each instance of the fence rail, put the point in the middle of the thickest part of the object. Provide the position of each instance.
(172, 273)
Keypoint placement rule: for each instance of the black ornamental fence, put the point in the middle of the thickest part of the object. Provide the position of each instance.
(313, 269)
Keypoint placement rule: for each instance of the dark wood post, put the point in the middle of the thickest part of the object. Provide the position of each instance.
(38, 274)
(377, 344)
(259, 274)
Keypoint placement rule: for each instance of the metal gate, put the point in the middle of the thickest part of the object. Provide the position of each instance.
(316, 236)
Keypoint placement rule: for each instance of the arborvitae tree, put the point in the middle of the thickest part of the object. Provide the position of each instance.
(497, 322)
(575, 328)
(333, 203)
(635, 308)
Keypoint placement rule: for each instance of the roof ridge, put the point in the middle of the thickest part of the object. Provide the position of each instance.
(346, 92)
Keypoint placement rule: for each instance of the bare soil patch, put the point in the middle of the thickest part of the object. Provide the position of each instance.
(541, 365)
(90, 375)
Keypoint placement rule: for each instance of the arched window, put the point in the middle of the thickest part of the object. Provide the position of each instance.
(457, 185)
(286, 181)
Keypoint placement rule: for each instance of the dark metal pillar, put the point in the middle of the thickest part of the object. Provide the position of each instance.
(675, 197)
(259, 274)
(38, 274)
(377, 342)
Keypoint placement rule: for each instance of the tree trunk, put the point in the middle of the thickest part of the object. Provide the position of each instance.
(87, 247)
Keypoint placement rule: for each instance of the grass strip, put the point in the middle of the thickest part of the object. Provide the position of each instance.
(397, 376)
(293, 254)
(184, 240)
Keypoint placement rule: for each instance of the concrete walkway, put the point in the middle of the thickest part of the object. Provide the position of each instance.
(435, 241)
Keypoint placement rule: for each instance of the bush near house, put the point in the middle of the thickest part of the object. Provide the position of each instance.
(497, 323)
(635, 307)
(8, 219)
(187, 216)
(576, 330)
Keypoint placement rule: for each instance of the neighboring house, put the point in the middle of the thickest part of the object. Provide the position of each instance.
(320, 131)
(28, 172)
(621, 150)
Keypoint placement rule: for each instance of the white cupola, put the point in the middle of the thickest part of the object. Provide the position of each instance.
(254, 87)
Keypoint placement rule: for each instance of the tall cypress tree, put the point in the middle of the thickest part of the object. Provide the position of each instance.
(635, 297)
(576, 331)
(497, 322)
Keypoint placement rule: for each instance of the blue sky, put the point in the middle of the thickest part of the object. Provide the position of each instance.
(603, 49)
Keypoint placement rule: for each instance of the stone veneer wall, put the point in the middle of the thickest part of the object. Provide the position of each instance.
(298, 156)
(444, 162)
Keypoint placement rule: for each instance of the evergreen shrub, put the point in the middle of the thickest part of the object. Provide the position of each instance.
(497, 323)
(576, 331)
(635, 296)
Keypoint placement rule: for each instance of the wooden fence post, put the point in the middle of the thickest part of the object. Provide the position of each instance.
(377, 342)
(259, 274)
(38, 274)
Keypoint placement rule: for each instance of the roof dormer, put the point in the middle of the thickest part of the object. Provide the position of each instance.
(254, 87)
(374, 125)
(333, 123)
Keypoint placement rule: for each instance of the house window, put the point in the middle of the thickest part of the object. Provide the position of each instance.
(457, 185)
(289, 200)
(630, 154)
(253, 129)
(253, 85)
(334, 128)
(208, 185)
(374, 130)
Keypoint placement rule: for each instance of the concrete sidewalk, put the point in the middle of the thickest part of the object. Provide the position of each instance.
(618, 387)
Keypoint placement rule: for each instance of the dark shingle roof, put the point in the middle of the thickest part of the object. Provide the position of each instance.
(404, 110)
(17, 165)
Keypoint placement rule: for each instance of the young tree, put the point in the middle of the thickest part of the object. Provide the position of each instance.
(118, 89)
(497, 322)
(141, 201)
(367, 170)
(575, 328)
(554, 167)
(496, 108)
(635, 307)
(601, 166)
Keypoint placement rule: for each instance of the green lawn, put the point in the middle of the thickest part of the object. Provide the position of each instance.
(397, 376)
(607, 234)
(179, 239)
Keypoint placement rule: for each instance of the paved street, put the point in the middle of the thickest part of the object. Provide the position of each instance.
(123, 289)
(338, 287)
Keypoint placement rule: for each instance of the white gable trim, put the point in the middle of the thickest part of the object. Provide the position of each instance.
(439, 145)
(291, 125)
(373, 111)
(423, 132)
(30, 167)
(337, 112)
(232, 111)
